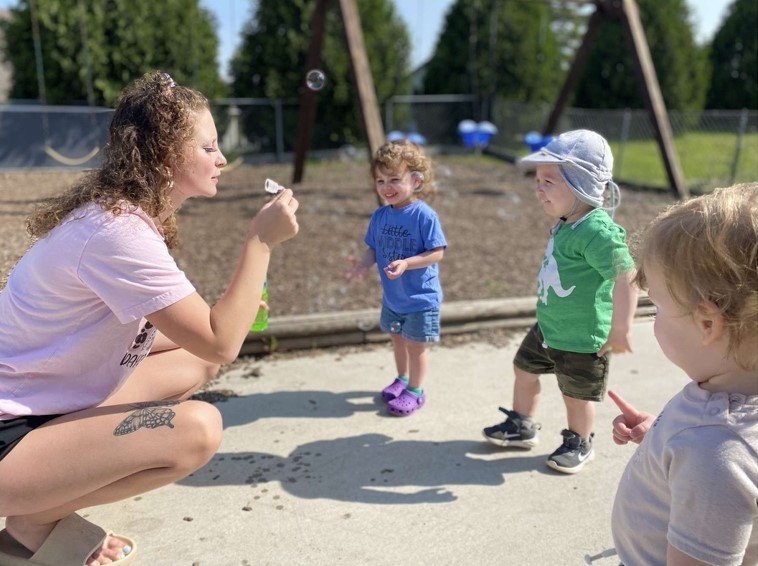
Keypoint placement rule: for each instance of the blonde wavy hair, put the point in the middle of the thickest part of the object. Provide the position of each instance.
(392, 155)
(708, 248)
(153, 122)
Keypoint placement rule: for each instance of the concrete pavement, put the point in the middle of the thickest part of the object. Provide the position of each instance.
(312, 471)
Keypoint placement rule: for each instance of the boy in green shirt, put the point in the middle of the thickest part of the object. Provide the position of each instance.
(586, 299)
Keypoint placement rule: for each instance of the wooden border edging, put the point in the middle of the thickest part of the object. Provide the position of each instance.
(321, 330)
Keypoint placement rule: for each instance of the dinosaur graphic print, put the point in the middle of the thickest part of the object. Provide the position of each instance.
(549, 277)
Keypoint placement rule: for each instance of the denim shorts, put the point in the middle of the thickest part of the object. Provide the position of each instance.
(13, 430)
(421, 326)
(580, 376)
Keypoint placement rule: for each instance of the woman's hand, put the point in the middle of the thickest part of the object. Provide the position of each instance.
(276, 221)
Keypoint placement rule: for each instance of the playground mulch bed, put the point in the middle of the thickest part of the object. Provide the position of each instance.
(494, 225)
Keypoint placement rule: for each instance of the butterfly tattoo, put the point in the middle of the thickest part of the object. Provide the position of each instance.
(147, 415)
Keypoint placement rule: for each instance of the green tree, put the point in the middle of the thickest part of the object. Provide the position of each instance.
(271, 62)
(91, 50)
(496, 47)
(609, 79)
(734, 59)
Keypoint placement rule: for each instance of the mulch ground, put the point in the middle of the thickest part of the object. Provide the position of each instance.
(494, 225)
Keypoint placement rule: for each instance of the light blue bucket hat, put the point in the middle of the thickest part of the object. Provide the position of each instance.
(586, 164)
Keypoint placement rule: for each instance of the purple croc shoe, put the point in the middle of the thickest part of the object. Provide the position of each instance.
(406, 404)
(394, 389)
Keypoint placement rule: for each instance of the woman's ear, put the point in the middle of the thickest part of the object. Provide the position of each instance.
(710, 321)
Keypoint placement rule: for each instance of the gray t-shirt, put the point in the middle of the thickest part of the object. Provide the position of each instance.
(693, 483)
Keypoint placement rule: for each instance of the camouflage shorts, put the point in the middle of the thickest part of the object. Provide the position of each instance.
(580, 376)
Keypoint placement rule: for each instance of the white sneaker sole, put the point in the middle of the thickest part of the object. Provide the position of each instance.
(528, 444)
(575, 469)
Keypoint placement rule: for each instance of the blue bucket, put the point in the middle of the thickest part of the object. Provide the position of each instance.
(536, 141)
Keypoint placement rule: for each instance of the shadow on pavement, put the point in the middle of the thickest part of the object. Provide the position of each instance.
(369, 468)
(238, 411)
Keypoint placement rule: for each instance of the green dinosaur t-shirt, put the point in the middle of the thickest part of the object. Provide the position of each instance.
(575, 282)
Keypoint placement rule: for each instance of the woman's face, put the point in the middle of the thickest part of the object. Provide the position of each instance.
(198, 176)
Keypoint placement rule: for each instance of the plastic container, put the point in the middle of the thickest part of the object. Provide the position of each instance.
(484, 133)
(467, 132)
(536, 141)
(261, 319)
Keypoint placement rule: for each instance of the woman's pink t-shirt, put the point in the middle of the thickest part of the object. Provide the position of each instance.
(72, 324)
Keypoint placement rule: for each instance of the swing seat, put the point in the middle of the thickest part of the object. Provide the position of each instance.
(60, 158)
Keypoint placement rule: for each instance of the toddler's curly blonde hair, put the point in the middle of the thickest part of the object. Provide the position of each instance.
(707, 248)
(393, 154)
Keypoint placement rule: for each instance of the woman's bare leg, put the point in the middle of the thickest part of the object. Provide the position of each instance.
(166, 374)
(133, 443)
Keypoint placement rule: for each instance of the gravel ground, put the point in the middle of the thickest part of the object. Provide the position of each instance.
(496, 229)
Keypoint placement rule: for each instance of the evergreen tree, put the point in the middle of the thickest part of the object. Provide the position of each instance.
(497, 47)
(609, 79)
(105, 44)
(270, 63)
(734, 59)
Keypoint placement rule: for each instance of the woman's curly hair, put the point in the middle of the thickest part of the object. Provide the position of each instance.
(153, 122)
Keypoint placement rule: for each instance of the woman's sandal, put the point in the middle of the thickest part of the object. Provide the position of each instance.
(406, 404)
(70, 543)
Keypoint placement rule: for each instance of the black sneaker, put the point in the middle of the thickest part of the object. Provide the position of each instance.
(516, 430)
(573, 454)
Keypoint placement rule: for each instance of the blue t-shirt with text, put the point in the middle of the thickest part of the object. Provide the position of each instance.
(400, 233)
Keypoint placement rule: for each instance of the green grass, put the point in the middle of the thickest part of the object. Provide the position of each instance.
(706, 160)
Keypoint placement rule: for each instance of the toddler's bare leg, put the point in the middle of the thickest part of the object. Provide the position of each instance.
(581, 415)
(401, 354)
(418, 362)
(526, 392)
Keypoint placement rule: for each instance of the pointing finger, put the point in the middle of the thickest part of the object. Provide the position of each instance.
(626, 409)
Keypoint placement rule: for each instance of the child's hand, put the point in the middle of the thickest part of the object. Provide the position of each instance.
(619, 342)
(631, 425)
(356, 270)
(396, 268)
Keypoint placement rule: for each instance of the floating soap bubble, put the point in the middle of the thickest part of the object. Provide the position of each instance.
(315, 79)
(513, 202)
(395, 327)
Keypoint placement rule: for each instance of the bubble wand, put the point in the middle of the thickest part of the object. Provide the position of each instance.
(272, 187)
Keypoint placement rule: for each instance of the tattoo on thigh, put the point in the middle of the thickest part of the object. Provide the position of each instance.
(150, 414)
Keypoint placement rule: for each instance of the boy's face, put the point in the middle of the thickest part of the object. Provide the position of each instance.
(396, 186)
(553, 192)
(677, 331)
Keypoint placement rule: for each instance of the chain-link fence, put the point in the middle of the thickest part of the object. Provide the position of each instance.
(51, 137)
(715, 147)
